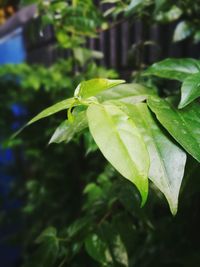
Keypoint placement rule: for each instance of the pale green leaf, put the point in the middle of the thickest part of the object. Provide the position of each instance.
(65, 104)
(95, 86)
(109, 1)
(67, 129)
(182, 31)
(182, 124)
(131, 93)
(167, 160)
(190, 89)
(121, 143)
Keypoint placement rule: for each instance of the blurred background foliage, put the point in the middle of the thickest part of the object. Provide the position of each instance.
(73, 209)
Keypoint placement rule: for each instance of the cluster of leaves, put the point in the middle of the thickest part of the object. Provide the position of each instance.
(127, 133)
(186, 13)
(83, 212)
(122, 122)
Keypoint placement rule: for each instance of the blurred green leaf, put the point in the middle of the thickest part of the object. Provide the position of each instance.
(182, 31)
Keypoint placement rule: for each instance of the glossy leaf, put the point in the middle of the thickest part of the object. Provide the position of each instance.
(183, 124)
(167, 160)
(190, 89)
(67, 129)
(171, 68)
(95, 86)
(120, 142)
(127, 93)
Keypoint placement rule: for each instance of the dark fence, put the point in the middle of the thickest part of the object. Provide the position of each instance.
(115, 43)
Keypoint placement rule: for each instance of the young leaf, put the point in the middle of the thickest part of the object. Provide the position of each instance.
(95, 86)
(190, 89)
(167, 160)
(65, 104)
(183, 124)
(121, 143)
(67, 129)
(171, 68)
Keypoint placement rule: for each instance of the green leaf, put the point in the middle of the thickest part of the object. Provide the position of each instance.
(47, 251)
(134, 4)
(98, 249)
(183, 124)
(95, 86)
(82, 55)
(109, 1)
(47, 233)
(190, 89)
(182, 31)
(171, 68)
(173, 14)
(65, 104)
(167, 160)
(109, 234)
(120, 142)
(127, 93)
(67, 129)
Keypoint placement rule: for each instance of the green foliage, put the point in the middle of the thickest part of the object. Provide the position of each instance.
(123, 134)
(77, 210)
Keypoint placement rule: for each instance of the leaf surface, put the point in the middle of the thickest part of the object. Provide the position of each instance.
(167, 160)
(127, 93)
(183, 124)
(171, 68)
(121, 143)
(65, 104)
(95, 86)
(67, 129)
(190, 89)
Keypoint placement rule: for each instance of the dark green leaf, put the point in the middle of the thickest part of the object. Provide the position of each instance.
(98, 249)
(190, 89)
(120, 142)
(171, 68)
(183, 124)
